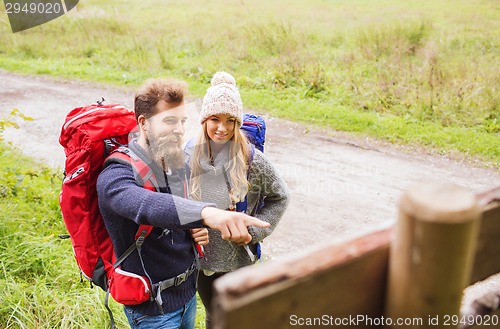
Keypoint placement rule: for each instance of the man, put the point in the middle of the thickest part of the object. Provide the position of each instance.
(167, 251)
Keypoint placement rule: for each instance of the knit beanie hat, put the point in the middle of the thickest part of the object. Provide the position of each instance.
(222, 97)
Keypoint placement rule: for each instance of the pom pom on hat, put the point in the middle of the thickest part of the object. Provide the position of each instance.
(223, 77)
(222, 97)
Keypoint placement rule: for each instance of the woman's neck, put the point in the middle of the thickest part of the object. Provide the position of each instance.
(215, 151)
(216, 148)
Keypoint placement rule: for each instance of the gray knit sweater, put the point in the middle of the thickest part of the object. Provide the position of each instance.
(266, 183)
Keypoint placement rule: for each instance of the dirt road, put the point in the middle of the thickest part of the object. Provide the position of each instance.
(341, 186)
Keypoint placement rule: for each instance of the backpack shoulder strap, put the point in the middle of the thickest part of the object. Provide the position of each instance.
(242, 205)
(252, 153)
(189, 149)
(142, 232)
(143, 173)
(144, 177)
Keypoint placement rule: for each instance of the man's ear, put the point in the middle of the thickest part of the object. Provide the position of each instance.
(141, 121)
(143, 128)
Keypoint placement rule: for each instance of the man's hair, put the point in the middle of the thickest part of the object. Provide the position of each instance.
(172, 91)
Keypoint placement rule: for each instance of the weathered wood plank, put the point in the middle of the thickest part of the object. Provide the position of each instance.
(487, 255)
(330, 283)
(486, 307)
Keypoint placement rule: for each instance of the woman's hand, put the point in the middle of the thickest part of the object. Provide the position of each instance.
(200, 236)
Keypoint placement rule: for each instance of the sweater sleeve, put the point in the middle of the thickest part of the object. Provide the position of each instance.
(269, 186)
(119, 195)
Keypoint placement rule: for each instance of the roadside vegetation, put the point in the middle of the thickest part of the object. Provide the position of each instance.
(418, 73)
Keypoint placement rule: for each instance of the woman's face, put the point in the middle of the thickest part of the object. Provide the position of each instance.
(220, 128)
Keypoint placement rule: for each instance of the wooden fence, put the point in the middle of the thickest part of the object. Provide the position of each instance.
(411, 275)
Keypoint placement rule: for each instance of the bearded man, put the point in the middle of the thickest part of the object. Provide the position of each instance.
(167, 252)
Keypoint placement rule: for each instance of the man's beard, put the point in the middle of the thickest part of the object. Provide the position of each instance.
(165, 154)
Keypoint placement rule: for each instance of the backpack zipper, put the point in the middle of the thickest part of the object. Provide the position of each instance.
(133, 275)
(74, 174)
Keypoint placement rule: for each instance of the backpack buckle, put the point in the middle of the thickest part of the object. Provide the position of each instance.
(180, 279)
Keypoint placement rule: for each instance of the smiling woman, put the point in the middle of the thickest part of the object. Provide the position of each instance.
(232, 173)
(220, 128)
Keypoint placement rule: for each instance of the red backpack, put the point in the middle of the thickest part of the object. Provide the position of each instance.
(89, 135)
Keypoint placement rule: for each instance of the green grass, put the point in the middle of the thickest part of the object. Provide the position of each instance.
(40, 285)
(39, 281)
(422, 73)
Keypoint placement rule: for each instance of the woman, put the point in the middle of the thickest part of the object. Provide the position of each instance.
(227, 170)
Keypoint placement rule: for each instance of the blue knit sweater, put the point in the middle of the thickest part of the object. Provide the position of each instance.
(168, 250)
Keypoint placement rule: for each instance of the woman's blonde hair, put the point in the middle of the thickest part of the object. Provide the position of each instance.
(237, 168)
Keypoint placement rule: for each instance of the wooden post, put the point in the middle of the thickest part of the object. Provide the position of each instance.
(431, 256)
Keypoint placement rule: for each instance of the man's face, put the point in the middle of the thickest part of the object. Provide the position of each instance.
(164, 134)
